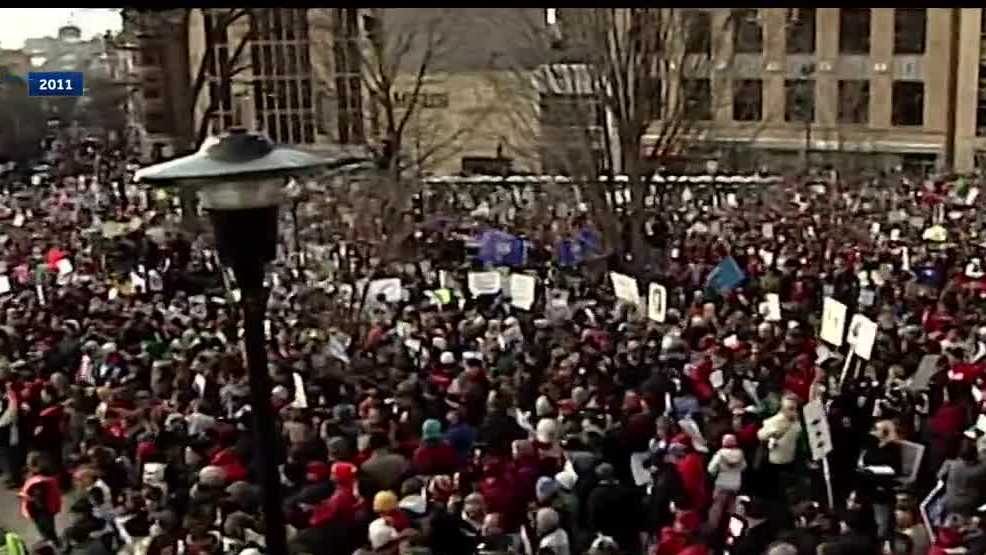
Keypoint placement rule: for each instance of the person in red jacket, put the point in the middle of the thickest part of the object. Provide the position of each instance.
(41, 499)
(342, 505)
(691, 468)
(435, 455)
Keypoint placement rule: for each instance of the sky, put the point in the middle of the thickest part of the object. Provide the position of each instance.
(27, 23)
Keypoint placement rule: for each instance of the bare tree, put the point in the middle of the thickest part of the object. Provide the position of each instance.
(208, 68)
(397, 59)
(622, 91)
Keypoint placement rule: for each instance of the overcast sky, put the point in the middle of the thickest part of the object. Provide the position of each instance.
(18, 24)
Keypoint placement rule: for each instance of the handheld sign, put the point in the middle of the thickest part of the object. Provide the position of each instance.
(657, 302)
(833, 321)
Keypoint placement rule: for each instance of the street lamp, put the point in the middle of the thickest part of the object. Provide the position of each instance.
(239, 178)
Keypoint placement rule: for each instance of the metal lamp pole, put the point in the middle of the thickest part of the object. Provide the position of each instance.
(240, 180)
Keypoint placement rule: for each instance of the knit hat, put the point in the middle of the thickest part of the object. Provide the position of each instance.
(431, 430)
(212, 476)
(384, 502)
(343, 472)
(546, 488)
(447, 358)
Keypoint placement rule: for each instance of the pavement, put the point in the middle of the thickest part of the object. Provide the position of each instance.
(12, 521)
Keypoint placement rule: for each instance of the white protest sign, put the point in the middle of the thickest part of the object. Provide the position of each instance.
(198, 382)
(773, 303)
(767, 231)
(155, 281)
(4, 285)
(484, 283)
(817, 427)
(300, 397)
(522, 291)
(833, 321)
(138, 282)
(19, 220)
(625, 288)
(971, 196)
(390, 288)
(862, 335)
(657, 302)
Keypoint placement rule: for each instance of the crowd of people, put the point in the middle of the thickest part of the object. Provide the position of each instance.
(447, 419)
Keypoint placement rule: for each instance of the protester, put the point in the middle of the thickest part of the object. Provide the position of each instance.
(456, 412)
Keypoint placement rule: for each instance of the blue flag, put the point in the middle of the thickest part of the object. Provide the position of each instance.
(573, 251)
(499, 248)
(725, 276)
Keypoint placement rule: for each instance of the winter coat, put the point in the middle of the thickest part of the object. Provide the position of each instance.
(727, 465)
(435, 458)
(613, 511)
(691, 468)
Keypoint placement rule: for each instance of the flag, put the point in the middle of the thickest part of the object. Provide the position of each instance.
(574, 250)
(725, 276)
(499, 248)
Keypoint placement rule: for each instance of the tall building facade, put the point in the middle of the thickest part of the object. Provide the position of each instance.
(301, 76)
(863, 87)
(163, 75)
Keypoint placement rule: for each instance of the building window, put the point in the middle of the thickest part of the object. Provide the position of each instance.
(747, 31)
(854, 31)
(748, 100)
(698, 32)
(854, 101)
(910, 28)
(908, 103)
(347, 51)
(801, 31)
(698, 99)
(799, 100)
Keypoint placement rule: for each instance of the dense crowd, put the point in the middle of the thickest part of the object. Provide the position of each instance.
(450, 418)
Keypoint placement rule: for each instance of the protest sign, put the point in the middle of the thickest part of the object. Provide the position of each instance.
(725, 276)
(522, 289)
(773, 308)
(657, 302)
(862, 335)
(300, 397)
(625, 288)
(390, 288)
(4, 285)
(833, 321)
(484, 283)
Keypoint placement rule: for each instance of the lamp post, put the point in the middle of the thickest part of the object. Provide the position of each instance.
(239, 178)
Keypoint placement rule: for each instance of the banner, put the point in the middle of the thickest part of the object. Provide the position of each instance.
(499, 248)
(573, 251)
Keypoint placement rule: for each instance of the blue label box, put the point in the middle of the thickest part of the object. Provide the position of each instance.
(55, 83)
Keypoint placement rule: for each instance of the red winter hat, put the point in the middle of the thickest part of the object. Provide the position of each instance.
(343, 472)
